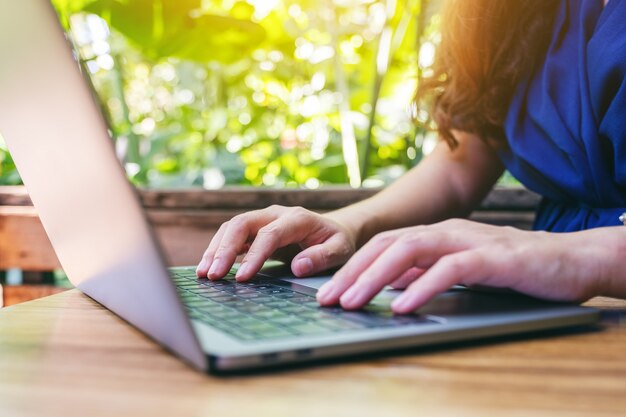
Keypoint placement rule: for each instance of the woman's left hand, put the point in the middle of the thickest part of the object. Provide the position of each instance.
(427, 260)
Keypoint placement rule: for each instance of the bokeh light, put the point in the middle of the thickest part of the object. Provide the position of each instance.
(263, 92)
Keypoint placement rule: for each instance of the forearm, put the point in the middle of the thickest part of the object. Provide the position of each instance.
(445, 184)
(601, 254)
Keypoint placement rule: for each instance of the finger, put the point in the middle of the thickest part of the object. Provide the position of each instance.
(407, 278)
(202, 269)
(294, 227)
(329, 293)
(419, 248)
(466, 267)
(389, 266)
(238, 232)
(333, 252)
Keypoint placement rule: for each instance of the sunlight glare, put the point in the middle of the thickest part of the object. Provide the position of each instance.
(263, 7)
(427, 55)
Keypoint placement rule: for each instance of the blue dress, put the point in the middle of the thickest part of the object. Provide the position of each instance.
(566, 125)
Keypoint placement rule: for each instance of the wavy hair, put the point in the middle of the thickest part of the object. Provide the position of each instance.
(487, 47)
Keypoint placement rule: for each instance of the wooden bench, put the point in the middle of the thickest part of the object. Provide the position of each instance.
(185, 221)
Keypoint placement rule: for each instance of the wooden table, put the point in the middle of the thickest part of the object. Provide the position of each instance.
(64, 355)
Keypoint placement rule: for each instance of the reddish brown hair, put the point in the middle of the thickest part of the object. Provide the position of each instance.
(487, 47)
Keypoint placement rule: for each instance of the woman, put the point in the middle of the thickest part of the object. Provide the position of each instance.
(535, 86)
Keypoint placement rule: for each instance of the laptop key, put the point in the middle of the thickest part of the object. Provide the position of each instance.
(226, 314)
(198, 302)
(249, 296)
(288, 320)
(275, 333)
(278, 304)
(241, 290)
(270, 314)
(207, 293)
(188, 285)
(318, 314)
(260, 327)
(251, 311)
(311, 304)
(244, 335)
(303, 299)
(294, 309)
(275, 291)
(212, 309)
(222, 298)
(285, 295)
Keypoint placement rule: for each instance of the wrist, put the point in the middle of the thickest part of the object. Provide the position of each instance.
(599, 257)
(359, 221)
(614, 276)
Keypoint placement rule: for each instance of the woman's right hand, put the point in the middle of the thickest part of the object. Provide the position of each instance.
(310, 241)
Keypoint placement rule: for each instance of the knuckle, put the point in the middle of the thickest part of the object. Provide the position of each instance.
(345, 249)
(504, 247)
(413, 238)
(207, 253)
(509, 229)
(253, 253)
(225, 252)
(421, 228)
(383, 237)
(275, 207)
(298, 213)
(454, 263)
(225, 249)
(454, 223)
(268, 231)
(221, 229)
(238, 224)
(325, 256)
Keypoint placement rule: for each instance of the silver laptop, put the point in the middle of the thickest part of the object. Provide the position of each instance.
(61, 146)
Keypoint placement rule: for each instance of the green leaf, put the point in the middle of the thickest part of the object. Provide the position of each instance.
(213, 38)
(164, 29)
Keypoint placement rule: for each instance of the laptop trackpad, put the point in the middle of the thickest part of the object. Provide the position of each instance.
(454, 302)
(283, 272)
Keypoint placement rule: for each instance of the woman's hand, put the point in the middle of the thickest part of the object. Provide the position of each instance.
(312, 242)
(428, 260)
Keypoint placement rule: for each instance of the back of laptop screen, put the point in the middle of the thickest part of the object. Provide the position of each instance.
(60, 144)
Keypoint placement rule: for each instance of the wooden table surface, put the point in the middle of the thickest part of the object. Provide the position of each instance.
(64, 355)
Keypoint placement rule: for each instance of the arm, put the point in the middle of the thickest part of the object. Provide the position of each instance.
(448, 183)
(555, 266)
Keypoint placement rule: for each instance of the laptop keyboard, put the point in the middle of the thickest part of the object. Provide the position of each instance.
(261, 310)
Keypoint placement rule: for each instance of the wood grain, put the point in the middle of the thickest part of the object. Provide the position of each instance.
(23, 240)
(328, 197)
(15, 294)
(66, 356)
(185, 220)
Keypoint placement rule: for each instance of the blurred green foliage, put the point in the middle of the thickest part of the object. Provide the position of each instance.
(260, 92)
(8, 173)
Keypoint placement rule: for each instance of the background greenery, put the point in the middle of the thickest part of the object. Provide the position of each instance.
(261, 92)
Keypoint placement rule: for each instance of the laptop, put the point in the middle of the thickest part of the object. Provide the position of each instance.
(95, 222)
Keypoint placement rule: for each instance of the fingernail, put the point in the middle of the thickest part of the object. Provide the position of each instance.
(201, 266)
(399, 303)
(241, 271)
(349, 297)
(304, 266)
(324, 291)
(214, 267)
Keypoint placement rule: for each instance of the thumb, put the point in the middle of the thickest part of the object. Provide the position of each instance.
(333, 252)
